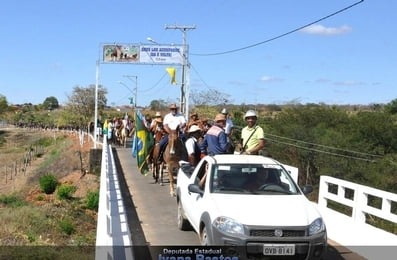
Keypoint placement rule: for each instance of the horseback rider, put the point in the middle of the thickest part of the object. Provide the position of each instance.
(157, 124)
(194, 120)
(172, 121)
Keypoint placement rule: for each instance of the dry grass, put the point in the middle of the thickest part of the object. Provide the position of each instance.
(39, 219)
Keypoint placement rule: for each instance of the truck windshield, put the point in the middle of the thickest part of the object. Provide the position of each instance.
(253, 178)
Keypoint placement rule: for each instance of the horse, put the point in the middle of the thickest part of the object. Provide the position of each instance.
(123, 134)
(174, 152)
(157, 166)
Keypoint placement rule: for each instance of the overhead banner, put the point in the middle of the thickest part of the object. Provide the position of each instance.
(164, 54)
(121, 53)
(146, 54)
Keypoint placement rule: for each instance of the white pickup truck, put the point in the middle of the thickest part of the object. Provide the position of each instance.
(251, 202)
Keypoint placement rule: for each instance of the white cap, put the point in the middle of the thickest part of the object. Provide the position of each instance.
(250, 113)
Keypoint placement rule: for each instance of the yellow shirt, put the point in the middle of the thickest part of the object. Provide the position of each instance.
(254, 139)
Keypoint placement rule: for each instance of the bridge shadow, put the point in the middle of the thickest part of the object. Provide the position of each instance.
(139, 242)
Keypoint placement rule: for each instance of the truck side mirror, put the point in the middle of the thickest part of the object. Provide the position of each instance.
(194, 188)
(307, 189)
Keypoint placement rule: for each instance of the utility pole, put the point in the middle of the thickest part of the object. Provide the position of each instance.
(135, 89)
(96, 105)
(184, 101)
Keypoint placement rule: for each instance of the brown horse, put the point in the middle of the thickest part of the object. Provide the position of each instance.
(154, 158)
(174, 152)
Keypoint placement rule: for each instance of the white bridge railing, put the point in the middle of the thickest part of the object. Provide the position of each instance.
(113, 240)
(352, 231)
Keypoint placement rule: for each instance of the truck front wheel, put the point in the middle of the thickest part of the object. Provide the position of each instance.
(183, 223)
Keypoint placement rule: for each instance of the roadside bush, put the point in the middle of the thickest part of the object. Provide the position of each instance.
(66, 226)
(92, 200)
(46, 141)
(65, 191)
(48, 183)
(12, 200)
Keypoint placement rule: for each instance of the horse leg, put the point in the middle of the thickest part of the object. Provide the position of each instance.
(154, 172)
(153, 161)
(161, 173)
(171, 169)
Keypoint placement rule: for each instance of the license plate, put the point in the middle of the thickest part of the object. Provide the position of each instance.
(279, 249)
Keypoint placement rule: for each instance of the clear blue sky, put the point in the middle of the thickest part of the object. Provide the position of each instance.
(48, 47)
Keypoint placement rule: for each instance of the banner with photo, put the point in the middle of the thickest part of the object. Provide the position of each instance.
(146, 54)
(121, 53)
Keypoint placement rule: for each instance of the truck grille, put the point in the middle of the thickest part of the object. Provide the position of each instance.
(270, 233)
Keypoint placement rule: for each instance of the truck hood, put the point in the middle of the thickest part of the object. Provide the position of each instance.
(269, 210)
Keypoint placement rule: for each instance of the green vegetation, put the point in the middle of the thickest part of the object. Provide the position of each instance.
(65, 191)
(92, 200)
(45, 141)
(66, 226)
(2, 140)
(12, 201)
(48, 183)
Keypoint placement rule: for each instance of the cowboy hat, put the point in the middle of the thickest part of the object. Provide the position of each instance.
(173, 106)
(194, 128)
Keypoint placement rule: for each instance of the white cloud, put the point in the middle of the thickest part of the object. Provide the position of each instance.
(319, 29)
(270, 79)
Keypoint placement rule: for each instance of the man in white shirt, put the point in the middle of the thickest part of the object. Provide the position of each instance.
(172, 121)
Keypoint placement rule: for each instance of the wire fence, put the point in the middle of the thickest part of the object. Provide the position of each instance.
(17, 169)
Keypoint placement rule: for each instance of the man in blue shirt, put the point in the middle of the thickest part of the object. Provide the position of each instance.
(215, 140)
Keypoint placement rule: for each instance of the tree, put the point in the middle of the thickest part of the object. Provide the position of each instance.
(3, 104)
(159, 104)
(392, 107)
(81, 103)
(304, 126)
(211, 97)
(50, 103)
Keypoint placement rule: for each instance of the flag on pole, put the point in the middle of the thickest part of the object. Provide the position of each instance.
(171, 72)
(142, 143)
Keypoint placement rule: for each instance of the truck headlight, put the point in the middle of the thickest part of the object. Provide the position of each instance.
(316, 227)
(228, 225)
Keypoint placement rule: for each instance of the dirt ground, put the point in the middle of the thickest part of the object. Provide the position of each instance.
(69, 169)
